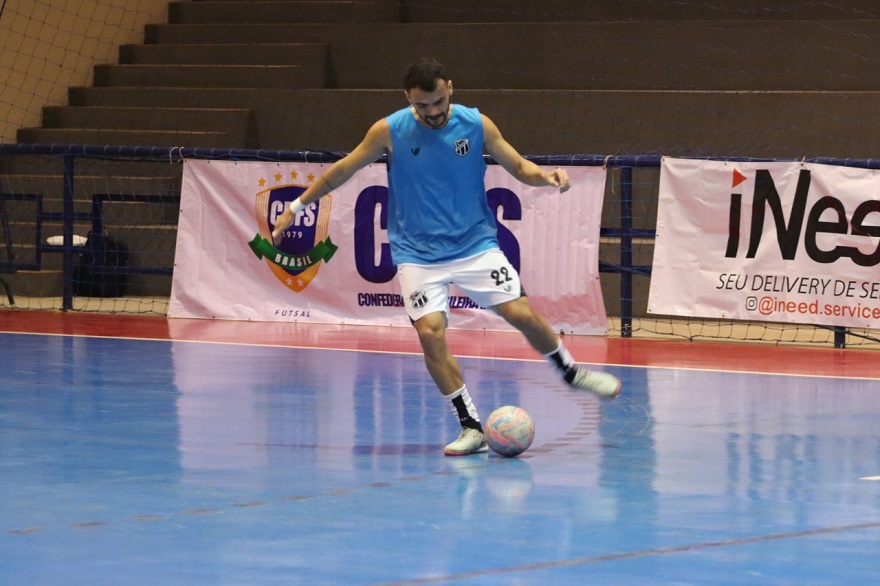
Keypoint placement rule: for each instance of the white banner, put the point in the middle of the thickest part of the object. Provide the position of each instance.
(335, 266)
(782, 241)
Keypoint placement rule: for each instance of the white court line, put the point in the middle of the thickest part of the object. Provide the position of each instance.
(294, 347)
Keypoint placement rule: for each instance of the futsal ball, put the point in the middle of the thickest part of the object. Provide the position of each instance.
(509, 431)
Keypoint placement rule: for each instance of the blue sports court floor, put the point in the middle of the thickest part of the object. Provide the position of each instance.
(127, 459)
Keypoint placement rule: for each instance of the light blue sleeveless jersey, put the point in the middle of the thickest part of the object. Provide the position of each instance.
(436, 189)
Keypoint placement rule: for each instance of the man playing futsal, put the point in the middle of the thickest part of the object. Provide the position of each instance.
(441, 231)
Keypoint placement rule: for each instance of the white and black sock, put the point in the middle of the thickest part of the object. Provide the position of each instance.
(562, 361)
(463, 408)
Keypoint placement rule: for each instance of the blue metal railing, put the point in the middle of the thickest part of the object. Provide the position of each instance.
(625, 231)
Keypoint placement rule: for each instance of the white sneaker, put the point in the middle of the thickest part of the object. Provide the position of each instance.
(470, 441)
(604, 385)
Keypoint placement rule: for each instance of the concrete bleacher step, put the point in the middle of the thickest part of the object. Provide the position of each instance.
(43, 283)
(126, 137)
(139, 212)
(459, 11)
(659, 56)
(148, 248)
(227, 53)
(236, 123)
(295, 119)
(218, 98)
(364, 11)
(211, 76)
(151, 246)
(26, 253)
(24, 246)
(142, 214)
(138, 216)
(156, 169)
(765, 124)
(48, 283)
(51, 187)
(148, 241)
(149, 285)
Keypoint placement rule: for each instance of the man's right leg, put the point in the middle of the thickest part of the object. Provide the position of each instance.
(446, 373)
(441, 364)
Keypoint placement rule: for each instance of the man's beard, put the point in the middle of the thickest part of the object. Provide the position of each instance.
(438, 120)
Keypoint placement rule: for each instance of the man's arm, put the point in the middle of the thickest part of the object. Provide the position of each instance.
(523, 169)
(375, 144)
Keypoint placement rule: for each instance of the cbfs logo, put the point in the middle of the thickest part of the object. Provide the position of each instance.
(305, 245)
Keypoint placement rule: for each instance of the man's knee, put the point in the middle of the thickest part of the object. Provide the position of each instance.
(431, 328)
(518, 313)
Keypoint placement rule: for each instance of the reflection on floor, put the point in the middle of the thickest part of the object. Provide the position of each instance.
(145, 451)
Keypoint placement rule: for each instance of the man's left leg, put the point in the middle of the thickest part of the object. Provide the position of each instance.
(520, 314)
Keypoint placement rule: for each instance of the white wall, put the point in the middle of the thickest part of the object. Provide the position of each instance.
(47, 46)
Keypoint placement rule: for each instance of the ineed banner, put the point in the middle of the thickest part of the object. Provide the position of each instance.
(334, 263)
(777, 241)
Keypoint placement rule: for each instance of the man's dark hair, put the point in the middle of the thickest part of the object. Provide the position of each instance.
(423, 74)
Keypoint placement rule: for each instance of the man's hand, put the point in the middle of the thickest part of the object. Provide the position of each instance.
(558, 178)
(277, 237)
(286, 219)
(281, 224)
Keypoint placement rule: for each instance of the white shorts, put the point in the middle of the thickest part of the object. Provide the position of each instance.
(487, 278)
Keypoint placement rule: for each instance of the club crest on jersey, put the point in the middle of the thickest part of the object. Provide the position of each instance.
(462, 147)
(306, 244)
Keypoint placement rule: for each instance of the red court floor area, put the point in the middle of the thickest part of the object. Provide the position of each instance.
(741, 357)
